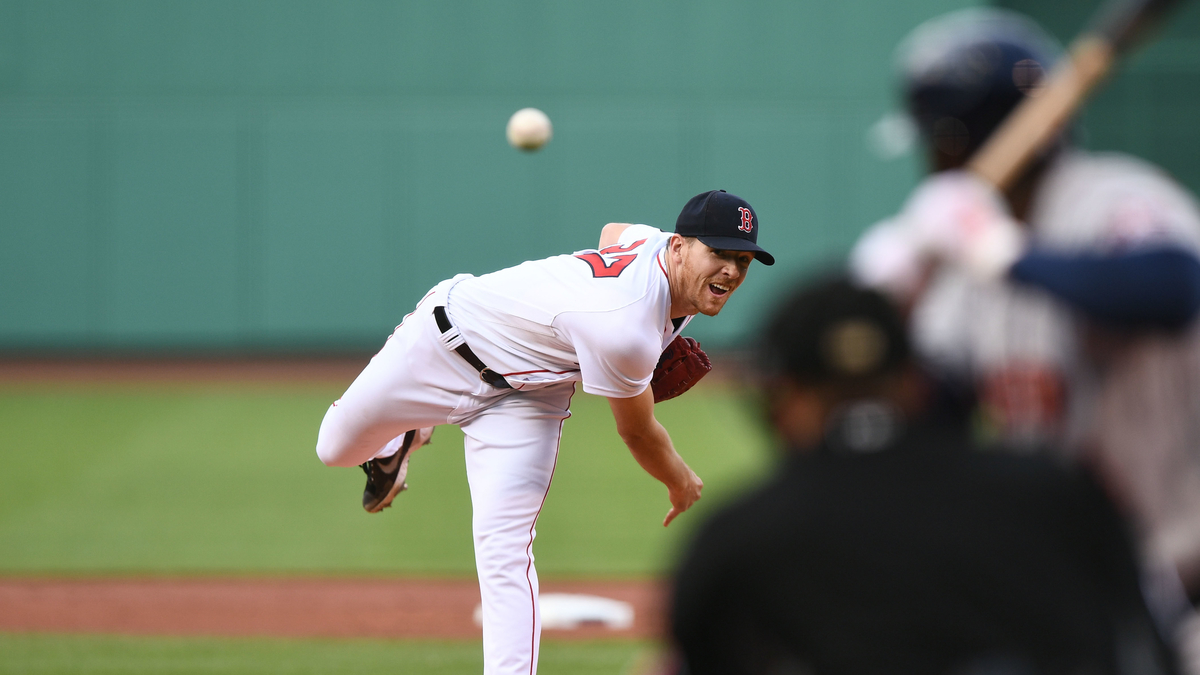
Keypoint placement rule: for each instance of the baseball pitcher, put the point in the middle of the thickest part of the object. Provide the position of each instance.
(499, 356)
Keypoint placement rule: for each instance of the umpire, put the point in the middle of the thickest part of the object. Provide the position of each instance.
(884, 544)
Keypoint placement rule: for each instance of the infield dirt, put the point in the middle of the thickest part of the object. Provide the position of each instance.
(378, 608)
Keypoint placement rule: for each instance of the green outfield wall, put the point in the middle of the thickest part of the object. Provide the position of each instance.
(257, 175)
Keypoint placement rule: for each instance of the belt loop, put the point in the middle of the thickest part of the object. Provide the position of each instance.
(453, 339)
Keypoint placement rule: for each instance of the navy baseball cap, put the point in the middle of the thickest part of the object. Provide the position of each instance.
(723, 221)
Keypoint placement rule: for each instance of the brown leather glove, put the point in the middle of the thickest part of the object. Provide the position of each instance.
(681, 365)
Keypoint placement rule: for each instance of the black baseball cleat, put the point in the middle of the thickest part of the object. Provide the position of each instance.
(385, 475)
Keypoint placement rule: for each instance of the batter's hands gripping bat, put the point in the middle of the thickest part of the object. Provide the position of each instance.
(1039, 119)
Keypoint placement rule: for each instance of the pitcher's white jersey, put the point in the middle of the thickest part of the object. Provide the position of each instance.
(600, 317)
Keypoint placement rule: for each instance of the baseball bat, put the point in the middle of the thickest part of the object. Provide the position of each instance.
(1037, 121)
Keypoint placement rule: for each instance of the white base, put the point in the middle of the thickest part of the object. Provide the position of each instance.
(568, 611)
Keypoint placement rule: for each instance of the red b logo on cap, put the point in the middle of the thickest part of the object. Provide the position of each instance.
(747, 219)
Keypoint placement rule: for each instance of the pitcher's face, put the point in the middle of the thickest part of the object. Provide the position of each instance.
(706, 276)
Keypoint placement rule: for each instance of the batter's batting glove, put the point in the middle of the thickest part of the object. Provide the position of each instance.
(681, 366)
(962, 220)
(888, 257)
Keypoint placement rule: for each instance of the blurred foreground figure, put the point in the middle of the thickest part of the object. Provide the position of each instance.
(1064, 310)
(885, 545)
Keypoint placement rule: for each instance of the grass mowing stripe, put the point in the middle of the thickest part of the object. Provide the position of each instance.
(223, 479)
(35, 654)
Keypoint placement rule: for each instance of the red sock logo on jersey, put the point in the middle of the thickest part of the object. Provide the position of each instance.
(602, 268)
(747, 219)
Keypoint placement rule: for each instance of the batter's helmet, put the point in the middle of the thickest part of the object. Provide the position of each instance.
(964, 71)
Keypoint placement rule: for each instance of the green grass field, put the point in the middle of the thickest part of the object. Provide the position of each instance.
(169, 479)
(223, 479)
(106, 655)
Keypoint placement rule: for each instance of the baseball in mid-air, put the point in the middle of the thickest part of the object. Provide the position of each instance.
(529, 129)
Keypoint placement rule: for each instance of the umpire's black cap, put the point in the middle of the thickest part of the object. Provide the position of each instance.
(723, 221)
(831, 331)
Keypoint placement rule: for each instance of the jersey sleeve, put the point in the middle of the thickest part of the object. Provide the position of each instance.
(616, 360)
(636, 232)
(1113, 203)
(1144, 288)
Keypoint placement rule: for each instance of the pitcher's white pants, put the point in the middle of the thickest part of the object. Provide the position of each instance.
(512, 440)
